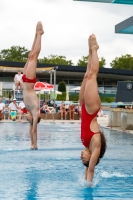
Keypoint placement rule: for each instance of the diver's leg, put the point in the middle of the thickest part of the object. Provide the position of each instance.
(81, 94)
(31, 137)
(34, 131)
(91, 96)
(26, 64)
(30, 68)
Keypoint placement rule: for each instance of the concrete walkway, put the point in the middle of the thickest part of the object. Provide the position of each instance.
(103, 121)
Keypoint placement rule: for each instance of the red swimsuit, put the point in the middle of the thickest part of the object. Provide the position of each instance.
(25, 79)
(86, 133)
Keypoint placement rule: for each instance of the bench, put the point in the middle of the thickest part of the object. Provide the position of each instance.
(56, 116)
(46, 116)
(7, 116)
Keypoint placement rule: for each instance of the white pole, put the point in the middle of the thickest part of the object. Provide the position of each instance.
(50, 83)
(1, 89)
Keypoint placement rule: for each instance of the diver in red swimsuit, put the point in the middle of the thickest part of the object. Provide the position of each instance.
(91, 136)
(29, 79)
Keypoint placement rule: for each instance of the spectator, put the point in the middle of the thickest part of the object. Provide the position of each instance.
(22, 110)
(18, 80)
(2, 108)
(13, 107)
(78, 110)
(63, 109)
(44, 108)
(71, 110)
(129, 106)
(66, 106)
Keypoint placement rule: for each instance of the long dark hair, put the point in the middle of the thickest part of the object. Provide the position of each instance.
(103, 147)
(102, 151)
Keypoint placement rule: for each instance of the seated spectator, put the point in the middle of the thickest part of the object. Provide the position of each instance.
(44, 108)
(2, 108)
(78, 109)
(67, 106)
(57, 108)
(100, 113)
(18, 80)
(63, 110)
(71, 110)
(129, 106)
(13, 107)
(22, 110)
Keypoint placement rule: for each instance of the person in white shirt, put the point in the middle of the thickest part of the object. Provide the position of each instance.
(22, 110)
(2, 108)
(13, 107)
(18, 80)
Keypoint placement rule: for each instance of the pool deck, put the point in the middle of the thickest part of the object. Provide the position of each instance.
(103, 122)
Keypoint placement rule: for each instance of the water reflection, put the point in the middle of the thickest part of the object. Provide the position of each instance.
(32, 180)
(88, 193)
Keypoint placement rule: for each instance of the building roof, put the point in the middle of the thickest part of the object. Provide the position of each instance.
(66, 70)
(10, 66)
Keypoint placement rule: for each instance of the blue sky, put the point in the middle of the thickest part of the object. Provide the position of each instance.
(67, 25)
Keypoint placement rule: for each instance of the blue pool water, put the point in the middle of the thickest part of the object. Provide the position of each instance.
(55, 171)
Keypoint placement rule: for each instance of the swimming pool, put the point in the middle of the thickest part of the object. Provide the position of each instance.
(55, 171)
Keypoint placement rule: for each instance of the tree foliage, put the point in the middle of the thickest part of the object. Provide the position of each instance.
(62, 86)
(15, 53)
(102, 62)
(123, 62)
(84, 61)
(54, 59)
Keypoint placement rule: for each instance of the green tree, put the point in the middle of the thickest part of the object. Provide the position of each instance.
(123, 62)
(84, 60)
(62, 86)
(15, 53)
(102, 62)
(54, 59)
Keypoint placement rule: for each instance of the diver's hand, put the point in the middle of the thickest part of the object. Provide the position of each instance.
(89, 184)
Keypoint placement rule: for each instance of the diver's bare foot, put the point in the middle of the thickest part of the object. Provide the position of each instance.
(39, 28)
(32, 147)
(93, 42)
(35, 147)
(89, 42)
